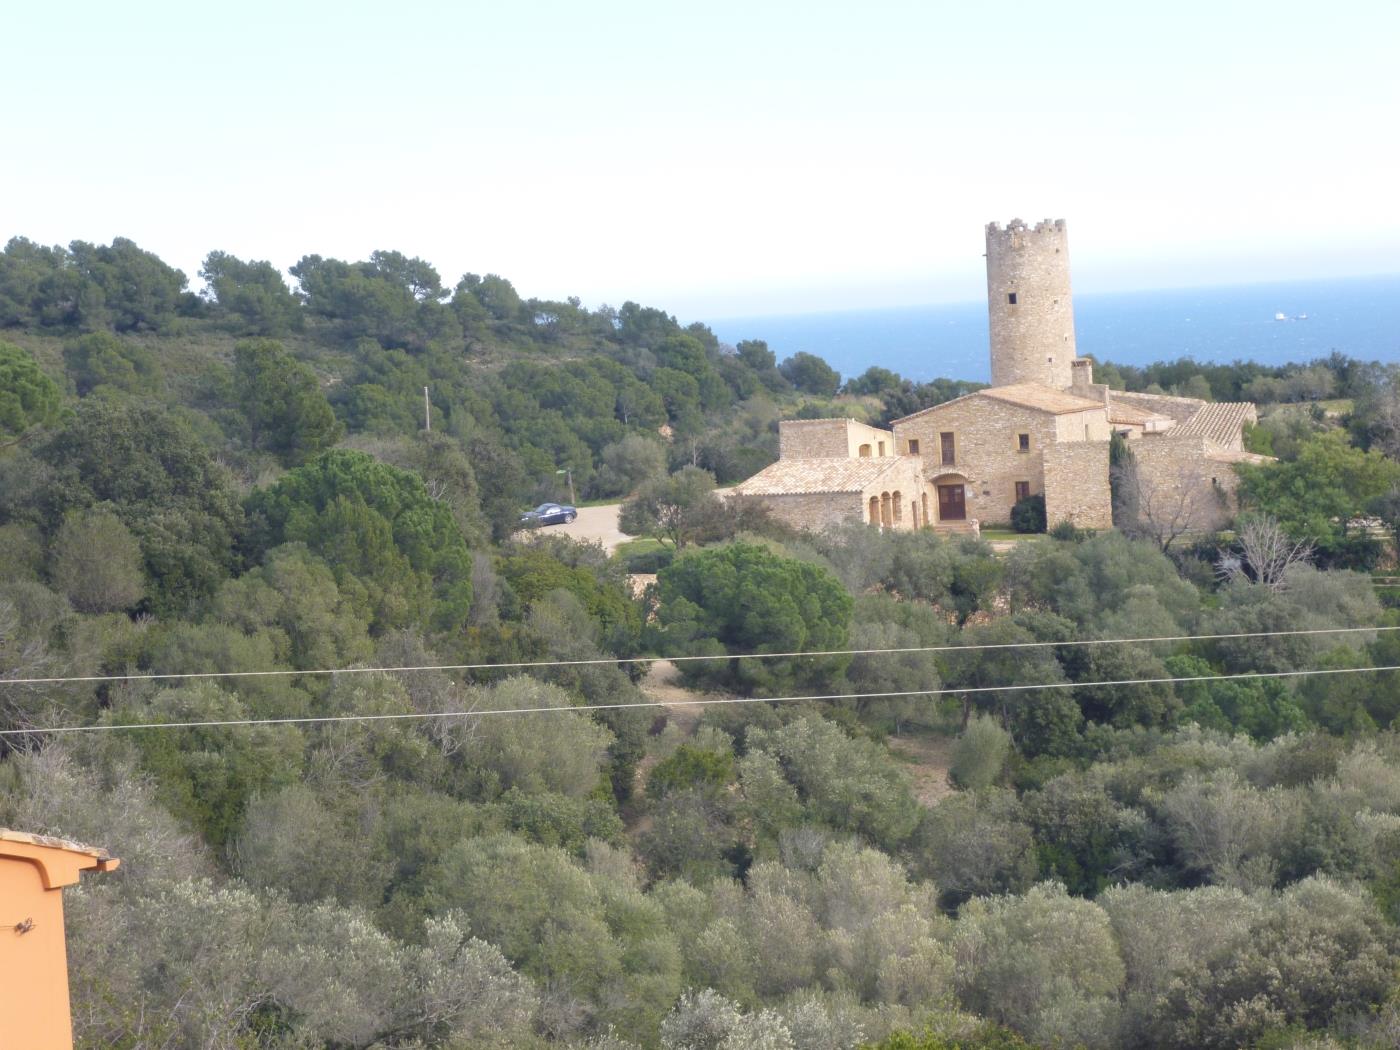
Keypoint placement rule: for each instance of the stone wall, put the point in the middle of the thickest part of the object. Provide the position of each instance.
(1082, 382)
(815, 510)
(1076, 485)
(1033, 337)
(1186, 476)
(1090, 425)
(832, 439)
(902, 501)
(986, 450)
(1178, 408)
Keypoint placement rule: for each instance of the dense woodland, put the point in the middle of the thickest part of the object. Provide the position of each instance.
(241, 480)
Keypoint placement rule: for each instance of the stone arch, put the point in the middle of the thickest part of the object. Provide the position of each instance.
(897, 501)
(875, 510)
(886, 516)
(864, 451)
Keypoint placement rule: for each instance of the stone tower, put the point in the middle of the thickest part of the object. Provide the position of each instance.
(1028, 299)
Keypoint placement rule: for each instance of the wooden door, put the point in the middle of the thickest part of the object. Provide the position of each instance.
(951, 503)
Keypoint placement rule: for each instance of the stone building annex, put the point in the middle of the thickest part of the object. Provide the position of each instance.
(1042, 427)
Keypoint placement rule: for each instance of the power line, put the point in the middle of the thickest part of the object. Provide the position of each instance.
(703, 702)
(612, 660)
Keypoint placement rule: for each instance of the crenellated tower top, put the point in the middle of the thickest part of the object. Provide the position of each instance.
(1030, 309)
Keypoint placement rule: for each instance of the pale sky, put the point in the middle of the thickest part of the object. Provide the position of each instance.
(715, 159)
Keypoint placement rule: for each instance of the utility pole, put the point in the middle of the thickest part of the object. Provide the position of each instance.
(427, 411)
(568, 471)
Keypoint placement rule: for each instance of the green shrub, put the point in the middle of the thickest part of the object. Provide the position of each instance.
(1028, 515)
(689, 768)
(1069, 532)
(979, 755)
(648, 560)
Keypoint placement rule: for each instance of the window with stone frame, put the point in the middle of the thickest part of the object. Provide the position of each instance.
(1023, 442)
(913, 446)
(1023, 490)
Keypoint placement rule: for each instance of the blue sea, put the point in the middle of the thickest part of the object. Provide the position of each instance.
(1359, 317)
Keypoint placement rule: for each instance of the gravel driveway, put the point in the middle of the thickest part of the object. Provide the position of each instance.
(595, 524)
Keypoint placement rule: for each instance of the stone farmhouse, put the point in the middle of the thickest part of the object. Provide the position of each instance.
(1043, 427)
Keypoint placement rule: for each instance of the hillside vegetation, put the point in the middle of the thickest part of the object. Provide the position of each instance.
(1183, 842)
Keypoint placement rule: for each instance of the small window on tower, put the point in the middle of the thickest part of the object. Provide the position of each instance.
(913, 446)
(1011, 298)
(1023, 442)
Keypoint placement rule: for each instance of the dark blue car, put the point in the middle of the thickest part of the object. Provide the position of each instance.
(548, 514)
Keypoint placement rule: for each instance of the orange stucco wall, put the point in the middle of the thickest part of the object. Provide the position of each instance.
(34, 1008)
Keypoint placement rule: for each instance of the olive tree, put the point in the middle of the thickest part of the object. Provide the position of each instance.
(848, 784)
(1321, 952)
(96, 562)
(1044, 962)
(561, 751)
(980, 753)
(975, 843)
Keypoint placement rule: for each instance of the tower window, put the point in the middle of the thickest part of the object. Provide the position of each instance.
(1023, 490)
(1023, 442)
(1011, 298)
(913, 446)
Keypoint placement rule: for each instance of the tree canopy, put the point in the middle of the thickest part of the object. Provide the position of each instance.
(286, 412)
(155, 474)
(378, 527)
(749, 599)
(28, 397)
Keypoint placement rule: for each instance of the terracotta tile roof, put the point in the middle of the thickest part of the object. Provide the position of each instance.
(793, 477)
(1220, 422)
(1026, 395)
(1120, 413)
